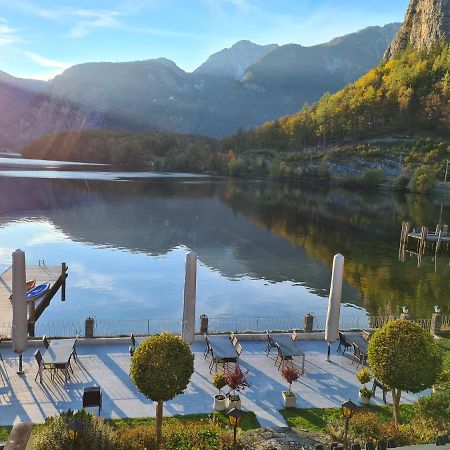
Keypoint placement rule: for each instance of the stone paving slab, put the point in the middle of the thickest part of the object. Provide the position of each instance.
(323, 385)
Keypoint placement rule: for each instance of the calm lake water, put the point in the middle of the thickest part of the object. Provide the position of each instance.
(264, 249)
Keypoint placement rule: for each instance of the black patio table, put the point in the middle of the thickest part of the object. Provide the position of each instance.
(222, 349)
(288, 347)
(58, 353)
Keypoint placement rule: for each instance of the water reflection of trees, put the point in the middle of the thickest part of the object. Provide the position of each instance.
(297, 232)
(365, 228)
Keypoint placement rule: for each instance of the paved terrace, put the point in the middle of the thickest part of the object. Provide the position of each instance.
(323, 384)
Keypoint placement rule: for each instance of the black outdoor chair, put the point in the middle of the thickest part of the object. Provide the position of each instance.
(370, 445)
(343, 343)
(391, 443)
(378, 384)
(270, 343)
(334, 445)
(318, 447)
(38, 358)
(283, 358)
(92, 397)
(442, 440)
(382, 445)
(358, 356)
(356, 447)
(45, 341)
(1, 357)
(208, 348)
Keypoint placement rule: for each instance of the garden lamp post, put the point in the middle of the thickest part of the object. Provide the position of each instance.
(234, 419)
(348, 409)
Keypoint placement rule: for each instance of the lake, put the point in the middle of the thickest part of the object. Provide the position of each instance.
(264, 249)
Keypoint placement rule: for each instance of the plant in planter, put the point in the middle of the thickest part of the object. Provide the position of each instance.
(219, 382)
(442, 382)
(290, 374)
(236, 381)
(364, 394)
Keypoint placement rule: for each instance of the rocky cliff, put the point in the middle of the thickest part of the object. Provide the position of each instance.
(426, 23)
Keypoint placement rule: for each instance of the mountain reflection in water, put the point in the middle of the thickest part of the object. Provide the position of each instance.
(264, 249)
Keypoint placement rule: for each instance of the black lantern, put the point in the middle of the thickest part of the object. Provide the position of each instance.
(348, 409)
(74, 428)
(234, 419)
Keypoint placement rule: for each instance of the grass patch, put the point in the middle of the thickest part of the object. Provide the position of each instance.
(316, 419)
(444, 345)
(4, 432)
(249, 421)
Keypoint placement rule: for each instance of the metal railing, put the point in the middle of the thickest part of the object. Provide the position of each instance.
(108, 328)
(111, 328)
(446, 322)
(261, 324)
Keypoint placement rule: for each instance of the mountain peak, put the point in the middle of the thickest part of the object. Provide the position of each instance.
(233, 62)
(426, 23)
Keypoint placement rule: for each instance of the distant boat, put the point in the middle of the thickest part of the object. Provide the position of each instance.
(38, 291)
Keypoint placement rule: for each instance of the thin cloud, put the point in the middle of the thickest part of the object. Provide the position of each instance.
(8, 35)
(46, 62)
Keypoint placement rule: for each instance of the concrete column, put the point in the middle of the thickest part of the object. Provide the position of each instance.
(436, 323)
(190, 291)
(309, 323)
(203, 324)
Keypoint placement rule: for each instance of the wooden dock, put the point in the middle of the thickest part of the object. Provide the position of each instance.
(55, 275)
(436, 239)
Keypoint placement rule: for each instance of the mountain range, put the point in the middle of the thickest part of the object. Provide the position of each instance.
(239, 87)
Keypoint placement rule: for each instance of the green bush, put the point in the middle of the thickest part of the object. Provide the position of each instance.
(95, 434)
(179, 435)
(434, 408)
(423, 180)
(401, 183)
(372, 178)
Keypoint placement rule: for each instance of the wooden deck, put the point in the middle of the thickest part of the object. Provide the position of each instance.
(55, 275)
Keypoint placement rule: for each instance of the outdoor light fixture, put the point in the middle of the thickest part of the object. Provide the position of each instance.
(348, 409)
(74, 428)
(234, 419)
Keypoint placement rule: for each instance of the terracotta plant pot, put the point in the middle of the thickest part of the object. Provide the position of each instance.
(289, 399)
(233, 401)
(220, 403)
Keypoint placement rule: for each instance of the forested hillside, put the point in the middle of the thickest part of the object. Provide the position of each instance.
(409, 94)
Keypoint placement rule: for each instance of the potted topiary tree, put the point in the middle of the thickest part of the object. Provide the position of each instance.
(236, 381)
(219, 382)
(364, 394)
(290, 374)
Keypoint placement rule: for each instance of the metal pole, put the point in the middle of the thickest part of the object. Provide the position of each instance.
(329, 352)
(234, 437)
(346, 433)
(446, 172)
(20, 371)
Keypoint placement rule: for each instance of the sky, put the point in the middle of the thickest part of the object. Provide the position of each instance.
(41, 38)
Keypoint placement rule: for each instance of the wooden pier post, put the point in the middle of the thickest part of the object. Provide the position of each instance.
(31, 317)
(63, 284)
